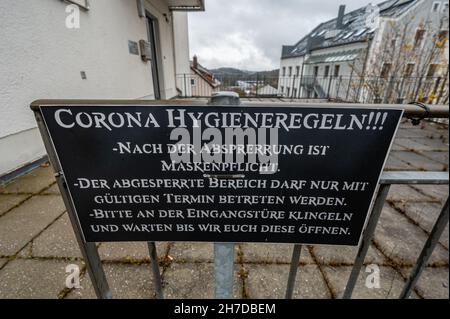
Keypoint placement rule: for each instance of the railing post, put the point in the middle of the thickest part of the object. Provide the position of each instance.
(185, 86)
(427, 250)
(155, 269)
(293, 271)
(224, 252)
(366, 239)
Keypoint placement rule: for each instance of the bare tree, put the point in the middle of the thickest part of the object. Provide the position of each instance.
(408, 65)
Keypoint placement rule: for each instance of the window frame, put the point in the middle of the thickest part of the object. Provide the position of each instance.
(326, 71)
(434, 67)
(338, 68)
(438, 3)
(385, 76)
(418, 44)
(405, 73)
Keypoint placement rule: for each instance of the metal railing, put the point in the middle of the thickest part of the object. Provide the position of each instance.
(387, 179)
(224, 252)
(345, 88)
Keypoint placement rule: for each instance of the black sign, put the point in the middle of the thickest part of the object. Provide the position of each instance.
(221, 174)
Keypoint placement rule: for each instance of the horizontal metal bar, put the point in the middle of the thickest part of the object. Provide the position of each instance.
(436, 111)
(414, 177)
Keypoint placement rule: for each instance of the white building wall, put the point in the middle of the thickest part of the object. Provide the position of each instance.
(286, 82)
(41, 58)
(181, 45)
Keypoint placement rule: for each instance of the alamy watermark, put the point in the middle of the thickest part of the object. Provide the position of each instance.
(73, 277)
(73, 16)
(373, 278)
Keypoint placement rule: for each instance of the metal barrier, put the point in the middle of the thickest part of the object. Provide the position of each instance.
(387, 179)
(224, 253)
(349, 88)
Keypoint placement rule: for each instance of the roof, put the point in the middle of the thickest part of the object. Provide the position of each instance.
(354, 29)
(205, 74)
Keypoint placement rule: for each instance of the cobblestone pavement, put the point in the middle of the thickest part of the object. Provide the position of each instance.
(37, 243)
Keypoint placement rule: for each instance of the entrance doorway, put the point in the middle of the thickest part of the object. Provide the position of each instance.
(153, 38)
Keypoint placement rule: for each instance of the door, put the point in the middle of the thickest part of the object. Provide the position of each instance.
(152, 27)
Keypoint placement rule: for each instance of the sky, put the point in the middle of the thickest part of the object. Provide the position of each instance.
(248, 34)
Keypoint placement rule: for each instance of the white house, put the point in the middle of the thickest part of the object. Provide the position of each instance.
(80, 49)
(396, 51)
(199, 82)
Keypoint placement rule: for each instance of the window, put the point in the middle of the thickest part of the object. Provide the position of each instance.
(297, 70)
(282, 89)
(294, 92)
(445, 8)
(393, 44)
(420, 33)
(192, 81)
(432, 70)
(327, 71)
(435, 7)
(336, 70)
(385, 70)
(409, 69)
(288, 90)
(284, 71)
(290, 71)
(442, 38)
(316, 71)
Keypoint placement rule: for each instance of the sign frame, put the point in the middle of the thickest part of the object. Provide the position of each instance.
(37, 107)
(89, 249)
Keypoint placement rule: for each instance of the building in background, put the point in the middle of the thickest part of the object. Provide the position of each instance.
(393, 52)
(102, 49)
(199, 82)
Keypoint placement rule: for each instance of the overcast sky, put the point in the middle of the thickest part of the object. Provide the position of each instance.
(248, 34)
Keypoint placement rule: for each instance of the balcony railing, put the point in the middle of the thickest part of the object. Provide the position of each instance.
(356, 89)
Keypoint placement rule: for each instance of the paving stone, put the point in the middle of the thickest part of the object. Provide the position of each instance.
(405, 193)
(57, 241)
(402, 241)
(3, 261)
(441, 157)
(130, 251)
(53, 190)
(272, 253)
(409, 144)
(30, 279)
(425, 215)
(418, 161)
(438, 192)
(194, 281)
(31, 183)
(431, 144)
(23, 223)
(397, 147)
(25, 252)
(413, 132)
(7, 202)
(390, 282)
(345, 255)
(432, 283)
(270, 281)
(394, 164)
(194, 252)
(125, 282)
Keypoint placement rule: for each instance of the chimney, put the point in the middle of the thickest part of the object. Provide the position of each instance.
(340, 17)
(195, 62)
